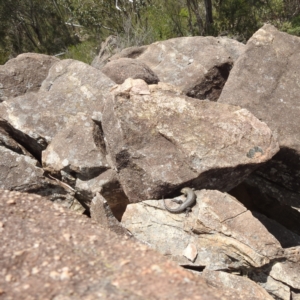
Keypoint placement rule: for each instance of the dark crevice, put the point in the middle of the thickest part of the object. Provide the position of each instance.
(194, 268)
(283, 169)
(7, 142)
(30, 144)
(211, 87)
(255, 200)
(98, 136)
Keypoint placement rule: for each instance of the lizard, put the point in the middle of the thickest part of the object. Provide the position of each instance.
(186, 205)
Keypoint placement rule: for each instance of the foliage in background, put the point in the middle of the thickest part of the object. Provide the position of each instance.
(76, 28)
(33, 26)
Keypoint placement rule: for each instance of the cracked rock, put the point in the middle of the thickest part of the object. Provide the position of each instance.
(226, 235)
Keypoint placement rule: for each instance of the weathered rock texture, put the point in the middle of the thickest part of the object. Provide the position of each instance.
(123, 68)
(26, 169)
(8, 142)
(280, 279)
(255, 194)
(47, 252)
(70, 96)
(107, 183)
(23, 74)
(77, 149)
(225, 234)
(102, 214)
(275, 288)
(19, 172)
(160, 140)
(264, 81)
(220, 234)
(70, 88)
(245, 286)
(199, 66)
(95, 146)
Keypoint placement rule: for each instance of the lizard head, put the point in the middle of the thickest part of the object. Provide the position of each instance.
(185, 190)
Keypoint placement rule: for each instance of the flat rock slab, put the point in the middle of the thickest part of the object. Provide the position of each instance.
(264, 80)
(224, 214)
(159, 140)
(226, 235)
(23, 74)
(55, 254)
(70, 88)
(199, 66)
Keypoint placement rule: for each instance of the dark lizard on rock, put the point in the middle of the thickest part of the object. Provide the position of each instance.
(186, 205)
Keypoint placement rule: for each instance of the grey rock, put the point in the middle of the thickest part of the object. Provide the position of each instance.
(8, 142)
(295, 296)
(108, 185)
(287, 272)
(23, 173)
(236, 222)
(264, 81)
(77, 149)
(70, 88)
(275, 288)
(49, 252)
(245, 286)
(19, 172)
(102, 214)
(123, 68)
(199, 66)
(265, 197)
(227, 236)
(24, 74)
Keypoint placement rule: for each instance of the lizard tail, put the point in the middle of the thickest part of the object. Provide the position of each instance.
(172, 210)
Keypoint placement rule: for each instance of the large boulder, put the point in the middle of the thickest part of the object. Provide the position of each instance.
(288, 273)
(264, 81)
(21, 171)
(64, 111)
(48, 252)
(219, 234)
(281, 278)
(274, 287)
(24, 74)
(8, 142)
(71, 87)
(77, 149)
(120, 69)
(199, 66)
(160, 140)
